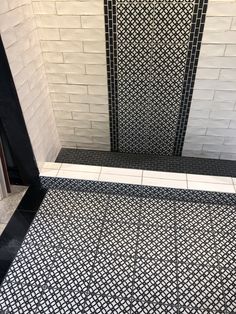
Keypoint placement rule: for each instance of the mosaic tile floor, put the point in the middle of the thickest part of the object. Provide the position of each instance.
(96, 247)
(204, 166)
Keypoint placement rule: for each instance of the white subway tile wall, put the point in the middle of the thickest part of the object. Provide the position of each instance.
(20, 38)
(66, 39)
(72, 39)
(211, 130)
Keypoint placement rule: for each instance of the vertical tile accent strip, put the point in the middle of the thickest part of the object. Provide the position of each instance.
(152, 55)
(111, 51)
(198, 22)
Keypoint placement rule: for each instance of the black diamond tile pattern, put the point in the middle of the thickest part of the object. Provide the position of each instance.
(152, 56)
(191, 165)
(115, 248)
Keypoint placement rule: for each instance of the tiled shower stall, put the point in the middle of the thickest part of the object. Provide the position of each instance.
(57, 54)
(118, 99)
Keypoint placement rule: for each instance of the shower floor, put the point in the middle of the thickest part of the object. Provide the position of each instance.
(192, 165)
(96, 247)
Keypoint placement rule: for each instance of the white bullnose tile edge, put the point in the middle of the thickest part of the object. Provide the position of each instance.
(122, 171)
(82, 175)
(120, 178)
(209, 179)
(165, 175)
(213, 187)
(140, 177)
(82, 168)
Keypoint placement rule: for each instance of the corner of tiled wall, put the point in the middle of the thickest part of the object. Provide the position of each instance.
(73, 43)
(211, 128)
(20, 38)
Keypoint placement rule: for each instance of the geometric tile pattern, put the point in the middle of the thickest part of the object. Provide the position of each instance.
(191, 165)
(112, 248)
(152, 55)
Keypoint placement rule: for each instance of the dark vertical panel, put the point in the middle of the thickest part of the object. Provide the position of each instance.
(151, 88)
(13, 124)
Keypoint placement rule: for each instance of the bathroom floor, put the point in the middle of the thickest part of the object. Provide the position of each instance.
(97, 247)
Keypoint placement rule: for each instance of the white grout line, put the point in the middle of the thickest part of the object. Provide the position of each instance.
(100, 174)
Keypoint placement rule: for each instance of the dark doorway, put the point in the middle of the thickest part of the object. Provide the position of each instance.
(18, 152)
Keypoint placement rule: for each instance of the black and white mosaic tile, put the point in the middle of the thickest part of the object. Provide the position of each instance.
(191, 165)
(116, 248)
(152, 55)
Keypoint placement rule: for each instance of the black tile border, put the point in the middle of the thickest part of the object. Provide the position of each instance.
(198, 21)
(191, 165)
(111, 52)
(17, 228)
(199, 16)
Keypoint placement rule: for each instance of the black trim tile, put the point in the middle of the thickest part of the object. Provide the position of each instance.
(192, 165)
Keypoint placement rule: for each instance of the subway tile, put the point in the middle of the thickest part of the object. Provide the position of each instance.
(218, 23)
(218, 62)
(221, 37)
(228, 74)
(70, 89)
(56, 78)
(73, 123)
(61, 114)
(209, 74)
(89, 99)
(225, 132)
(90, 116)
(95, 46)
(225, 95)
(212, 50)
(82, 34)
(93, 21)
(79, 8)
(85, 58)
(44, 7)
(98, 108)
(97, 90)
(87, 79)
(71, 106)
(230, 50)
(61, 46)
(214, 84)
(65, 68)
(55, 21)
(220, 9)
(48, 34)
(96, 69)
(203, 94)
(53, 57)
